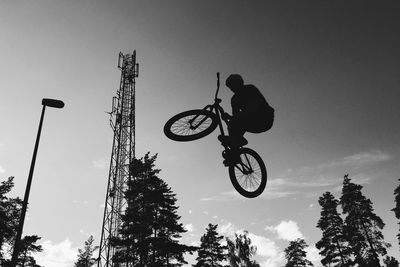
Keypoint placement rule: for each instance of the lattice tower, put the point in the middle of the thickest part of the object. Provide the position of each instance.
(122, 121)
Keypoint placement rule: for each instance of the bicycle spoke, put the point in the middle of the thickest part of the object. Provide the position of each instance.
(248, 182)
(190, 125)
(248, 176)
(248, 173)
(185, 127)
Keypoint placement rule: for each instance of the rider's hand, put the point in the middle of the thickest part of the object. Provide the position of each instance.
(225, 116)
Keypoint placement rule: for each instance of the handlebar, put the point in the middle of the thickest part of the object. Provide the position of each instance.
(216, 93)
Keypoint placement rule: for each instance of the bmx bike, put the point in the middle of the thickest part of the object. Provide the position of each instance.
(247, 172)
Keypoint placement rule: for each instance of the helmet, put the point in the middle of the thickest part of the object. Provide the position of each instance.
(234, 81)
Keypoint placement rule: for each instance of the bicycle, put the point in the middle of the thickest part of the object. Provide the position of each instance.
(247, 173)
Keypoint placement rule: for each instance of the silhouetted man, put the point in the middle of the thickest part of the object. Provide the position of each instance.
(250, 112)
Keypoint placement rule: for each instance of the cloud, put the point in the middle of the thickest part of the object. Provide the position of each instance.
(314, 256)
(271, 192)
(328, 174)
(364, 158)
(189, 227)
(195, 243)
(2, 170)
(286, 230)
(285, 187)
(267, 248)
(353, 161)
(60, 255)
(277, 261)
(361, 179)
(289, 231)
(297, 182)
(268, 252)
(224, 196)
(227, 229)
(276, 188)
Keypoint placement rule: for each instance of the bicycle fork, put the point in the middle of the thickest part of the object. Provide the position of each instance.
(245, 167)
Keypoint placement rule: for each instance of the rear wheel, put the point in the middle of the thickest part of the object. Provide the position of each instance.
(190, 125)
(249, 176)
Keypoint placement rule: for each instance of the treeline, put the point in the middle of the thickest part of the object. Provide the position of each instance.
(9, 218)
(150, 231)
(354, 236)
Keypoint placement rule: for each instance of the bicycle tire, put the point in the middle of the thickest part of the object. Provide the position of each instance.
(256, 179)
(179, 128)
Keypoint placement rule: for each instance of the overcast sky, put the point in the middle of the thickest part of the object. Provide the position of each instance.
(330, 70)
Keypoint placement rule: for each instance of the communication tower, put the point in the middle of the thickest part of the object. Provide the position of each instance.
(122, 121)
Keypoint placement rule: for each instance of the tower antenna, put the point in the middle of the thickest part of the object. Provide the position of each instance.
(122, 121)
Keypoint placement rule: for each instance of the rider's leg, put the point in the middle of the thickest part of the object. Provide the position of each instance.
(235, 140)
(237, 127)
(262, 124)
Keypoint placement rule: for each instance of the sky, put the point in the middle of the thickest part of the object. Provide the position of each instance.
(329, 68)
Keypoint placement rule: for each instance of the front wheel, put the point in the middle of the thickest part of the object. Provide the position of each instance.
(249, 175)
(190, 125)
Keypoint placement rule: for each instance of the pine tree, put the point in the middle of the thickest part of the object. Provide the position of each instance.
(9, 214)
(397, 208)
(211, 252)
(10, 210)
(296, 255)
(29, 246)
(85, 256)
(150, 230)
(391, 262)
(241, 251)
(362, 226)
(333, 246)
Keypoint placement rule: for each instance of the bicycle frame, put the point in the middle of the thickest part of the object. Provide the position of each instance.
(216, 108)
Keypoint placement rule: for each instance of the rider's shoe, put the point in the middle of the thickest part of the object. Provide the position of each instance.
(229, 162)
(227, 141)
(231, 157)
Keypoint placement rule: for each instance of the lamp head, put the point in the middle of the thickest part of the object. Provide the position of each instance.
(53, 103)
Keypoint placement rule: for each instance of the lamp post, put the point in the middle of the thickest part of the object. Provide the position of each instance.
(46, 102)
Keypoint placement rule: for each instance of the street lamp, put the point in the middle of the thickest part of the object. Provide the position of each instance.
(46, 102)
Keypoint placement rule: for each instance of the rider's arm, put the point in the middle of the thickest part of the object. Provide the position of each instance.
(225, 116)
(235, 106)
